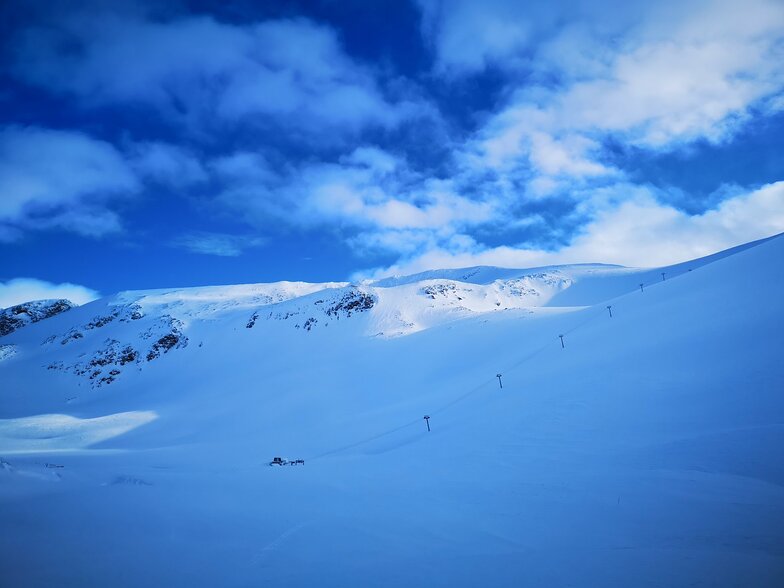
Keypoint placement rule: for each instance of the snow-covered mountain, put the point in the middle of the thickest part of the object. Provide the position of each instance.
(124, 332)
(590, 425)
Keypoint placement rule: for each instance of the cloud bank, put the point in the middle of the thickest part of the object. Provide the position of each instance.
(61, 179)
(291, 74)
(639, 232)
(21, 290)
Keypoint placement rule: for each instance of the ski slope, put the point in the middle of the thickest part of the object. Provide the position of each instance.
(644, 452)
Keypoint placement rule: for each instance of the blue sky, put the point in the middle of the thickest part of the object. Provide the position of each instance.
(147, 145)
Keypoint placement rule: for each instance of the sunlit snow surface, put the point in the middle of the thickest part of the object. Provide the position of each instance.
(61, 432)
(645, 452)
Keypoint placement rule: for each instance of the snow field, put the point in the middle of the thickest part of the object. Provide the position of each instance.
(644, 453)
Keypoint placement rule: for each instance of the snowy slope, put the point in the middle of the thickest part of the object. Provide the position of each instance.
(106, 339)
(643, 453)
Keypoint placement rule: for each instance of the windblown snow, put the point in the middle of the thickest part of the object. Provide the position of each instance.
(590, 425)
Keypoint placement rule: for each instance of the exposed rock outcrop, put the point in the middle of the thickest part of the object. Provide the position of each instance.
(16, 317)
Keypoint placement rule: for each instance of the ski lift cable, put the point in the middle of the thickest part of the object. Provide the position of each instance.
(365, 440)
(526, 359)
(446, 406)
(463, 396)
(511, 367)
(590, 318)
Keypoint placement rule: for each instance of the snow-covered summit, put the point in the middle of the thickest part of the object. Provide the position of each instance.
(104, 340)
(485, 275)
(20, 315)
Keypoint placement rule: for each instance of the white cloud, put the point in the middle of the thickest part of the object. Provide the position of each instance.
(468, 36)
(20, 290)
(61, 179)
(685, 71)
(296, 69)
(292, 73)
(680, 89)
(571, 155)
(354, 196)
(644, 232)
(369, 190)
(635, 232)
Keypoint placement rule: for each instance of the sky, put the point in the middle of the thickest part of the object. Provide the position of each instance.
(157, 145)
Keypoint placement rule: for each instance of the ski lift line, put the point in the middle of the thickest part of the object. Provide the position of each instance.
(656, 282)
(400, 427)
(549, 344)
(364, 441)
(527, 358)
(451, 403)
(475, 389)
(587, 320)
(462, 397)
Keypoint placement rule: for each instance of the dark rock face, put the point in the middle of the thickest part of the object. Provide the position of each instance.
(16, 317)
(353, 301)
(99, 322)
(342, 304)
(72, 335)
(130, 312)
(124, 314)
(174, 338)
(168, 341)
(128, 355)
(107, 356)
(440, 290)
(105, 364)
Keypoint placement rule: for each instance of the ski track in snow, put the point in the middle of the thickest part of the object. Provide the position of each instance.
(269, 549)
